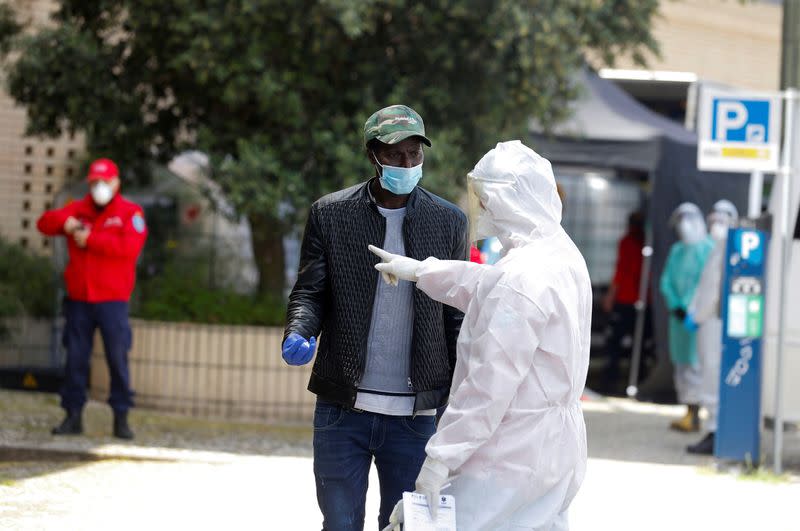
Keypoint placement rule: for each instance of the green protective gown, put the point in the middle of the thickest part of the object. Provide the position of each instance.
(678, 281)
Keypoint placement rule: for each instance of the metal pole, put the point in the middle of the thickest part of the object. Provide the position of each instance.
(790, 44)
(790, 96)
(641, 307)
(755, 195)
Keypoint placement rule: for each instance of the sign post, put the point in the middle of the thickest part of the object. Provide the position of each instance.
(741, 132)
(791, 96)
(742, 307)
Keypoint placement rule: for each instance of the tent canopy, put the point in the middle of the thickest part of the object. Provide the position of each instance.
(607, 128)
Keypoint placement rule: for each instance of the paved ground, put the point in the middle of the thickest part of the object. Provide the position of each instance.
(188, 474)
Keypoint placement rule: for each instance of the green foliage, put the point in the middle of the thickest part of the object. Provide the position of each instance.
(26, 283)
(181, 294)
(277, 91)
(9, 28)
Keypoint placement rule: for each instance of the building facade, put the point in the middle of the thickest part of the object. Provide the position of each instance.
(724, 41)
(32, 170)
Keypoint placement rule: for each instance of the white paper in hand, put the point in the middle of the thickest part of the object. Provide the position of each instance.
(418, 516)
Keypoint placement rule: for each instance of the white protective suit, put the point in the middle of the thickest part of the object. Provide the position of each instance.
(513, 436)
(704, 310)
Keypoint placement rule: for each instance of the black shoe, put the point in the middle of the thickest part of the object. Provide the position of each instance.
(121, 428)
(71, 425)
(704, 447)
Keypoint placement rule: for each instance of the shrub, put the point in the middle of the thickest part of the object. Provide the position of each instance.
(182, 294)
(27, 283)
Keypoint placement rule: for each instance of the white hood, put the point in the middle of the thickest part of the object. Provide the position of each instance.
(517, 191)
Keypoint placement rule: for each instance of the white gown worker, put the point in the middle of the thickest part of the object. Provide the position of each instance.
(512, 440)
(703, 312)
(678, 282)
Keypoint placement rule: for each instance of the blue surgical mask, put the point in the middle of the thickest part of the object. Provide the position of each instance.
(399, 180)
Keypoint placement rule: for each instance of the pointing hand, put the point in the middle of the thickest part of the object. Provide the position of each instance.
(394, 267)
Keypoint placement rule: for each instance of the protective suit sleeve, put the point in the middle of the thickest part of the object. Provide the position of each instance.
(505, 339)
(450, 282)
(671, 296)
(451, 316)
(304, 311)
(705, 302)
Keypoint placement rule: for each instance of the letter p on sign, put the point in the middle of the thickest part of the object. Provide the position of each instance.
(750, 246)
(731, 115)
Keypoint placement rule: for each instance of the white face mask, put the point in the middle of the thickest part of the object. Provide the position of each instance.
(719, 231)
(102, 192)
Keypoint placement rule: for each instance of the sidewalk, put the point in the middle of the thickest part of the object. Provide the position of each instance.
(183, 473)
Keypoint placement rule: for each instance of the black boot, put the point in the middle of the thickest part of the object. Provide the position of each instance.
(121, 428)
(704, 447)
(71, 425)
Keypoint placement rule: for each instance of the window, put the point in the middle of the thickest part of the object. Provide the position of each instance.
(70, 153)
(26, 187)
(28, 169)
(29, 150)
(23, 242)
(48, 205)
(45, 242)
(48, 188)
(50, 152)
(49, 170)
(595, 215)
(26, 205)
(70, 171)
(25, 223)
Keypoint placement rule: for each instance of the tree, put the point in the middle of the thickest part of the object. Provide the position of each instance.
(277, 91)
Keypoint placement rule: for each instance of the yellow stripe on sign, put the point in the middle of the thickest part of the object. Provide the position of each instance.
(745, 153)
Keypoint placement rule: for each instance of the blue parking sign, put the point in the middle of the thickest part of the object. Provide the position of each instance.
(738, 131)
(749, 246)
(735, 120)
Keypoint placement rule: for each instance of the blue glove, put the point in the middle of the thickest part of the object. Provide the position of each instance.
(297, 350)
(689, 323)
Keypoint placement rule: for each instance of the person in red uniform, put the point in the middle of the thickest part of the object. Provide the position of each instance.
(105, 233)
(620, 299)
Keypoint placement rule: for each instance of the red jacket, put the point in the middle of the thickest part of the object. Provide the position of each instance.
(105, 270)
(629, 268)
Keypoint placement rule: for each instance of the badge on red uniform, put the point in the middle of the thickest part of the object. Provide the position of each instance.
(138, 222)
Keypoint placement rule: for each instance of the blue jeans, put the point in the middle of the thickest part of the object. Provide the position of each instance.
(345, 441)
(82, 318)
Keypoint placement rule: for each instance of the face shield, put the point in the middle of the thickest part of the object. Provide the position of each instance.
(725, 207)
(691, 229)
(688, 222)
(479, 199)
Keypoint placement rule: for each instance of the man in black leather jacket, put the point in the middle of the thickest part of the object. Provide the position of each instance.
(386, 353)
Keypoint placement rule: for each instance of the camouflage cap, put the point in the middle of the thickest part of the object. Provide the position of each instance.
(394, 124)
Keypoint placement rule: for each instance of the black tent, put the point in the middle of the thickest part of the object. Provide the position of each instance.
(609, 129)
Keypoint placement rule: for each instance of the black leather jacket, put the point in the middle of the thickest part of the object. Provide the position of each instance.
(336, 285)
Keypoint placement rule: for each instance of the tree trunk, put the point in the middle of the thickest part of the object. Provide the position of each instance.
(268, 252)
